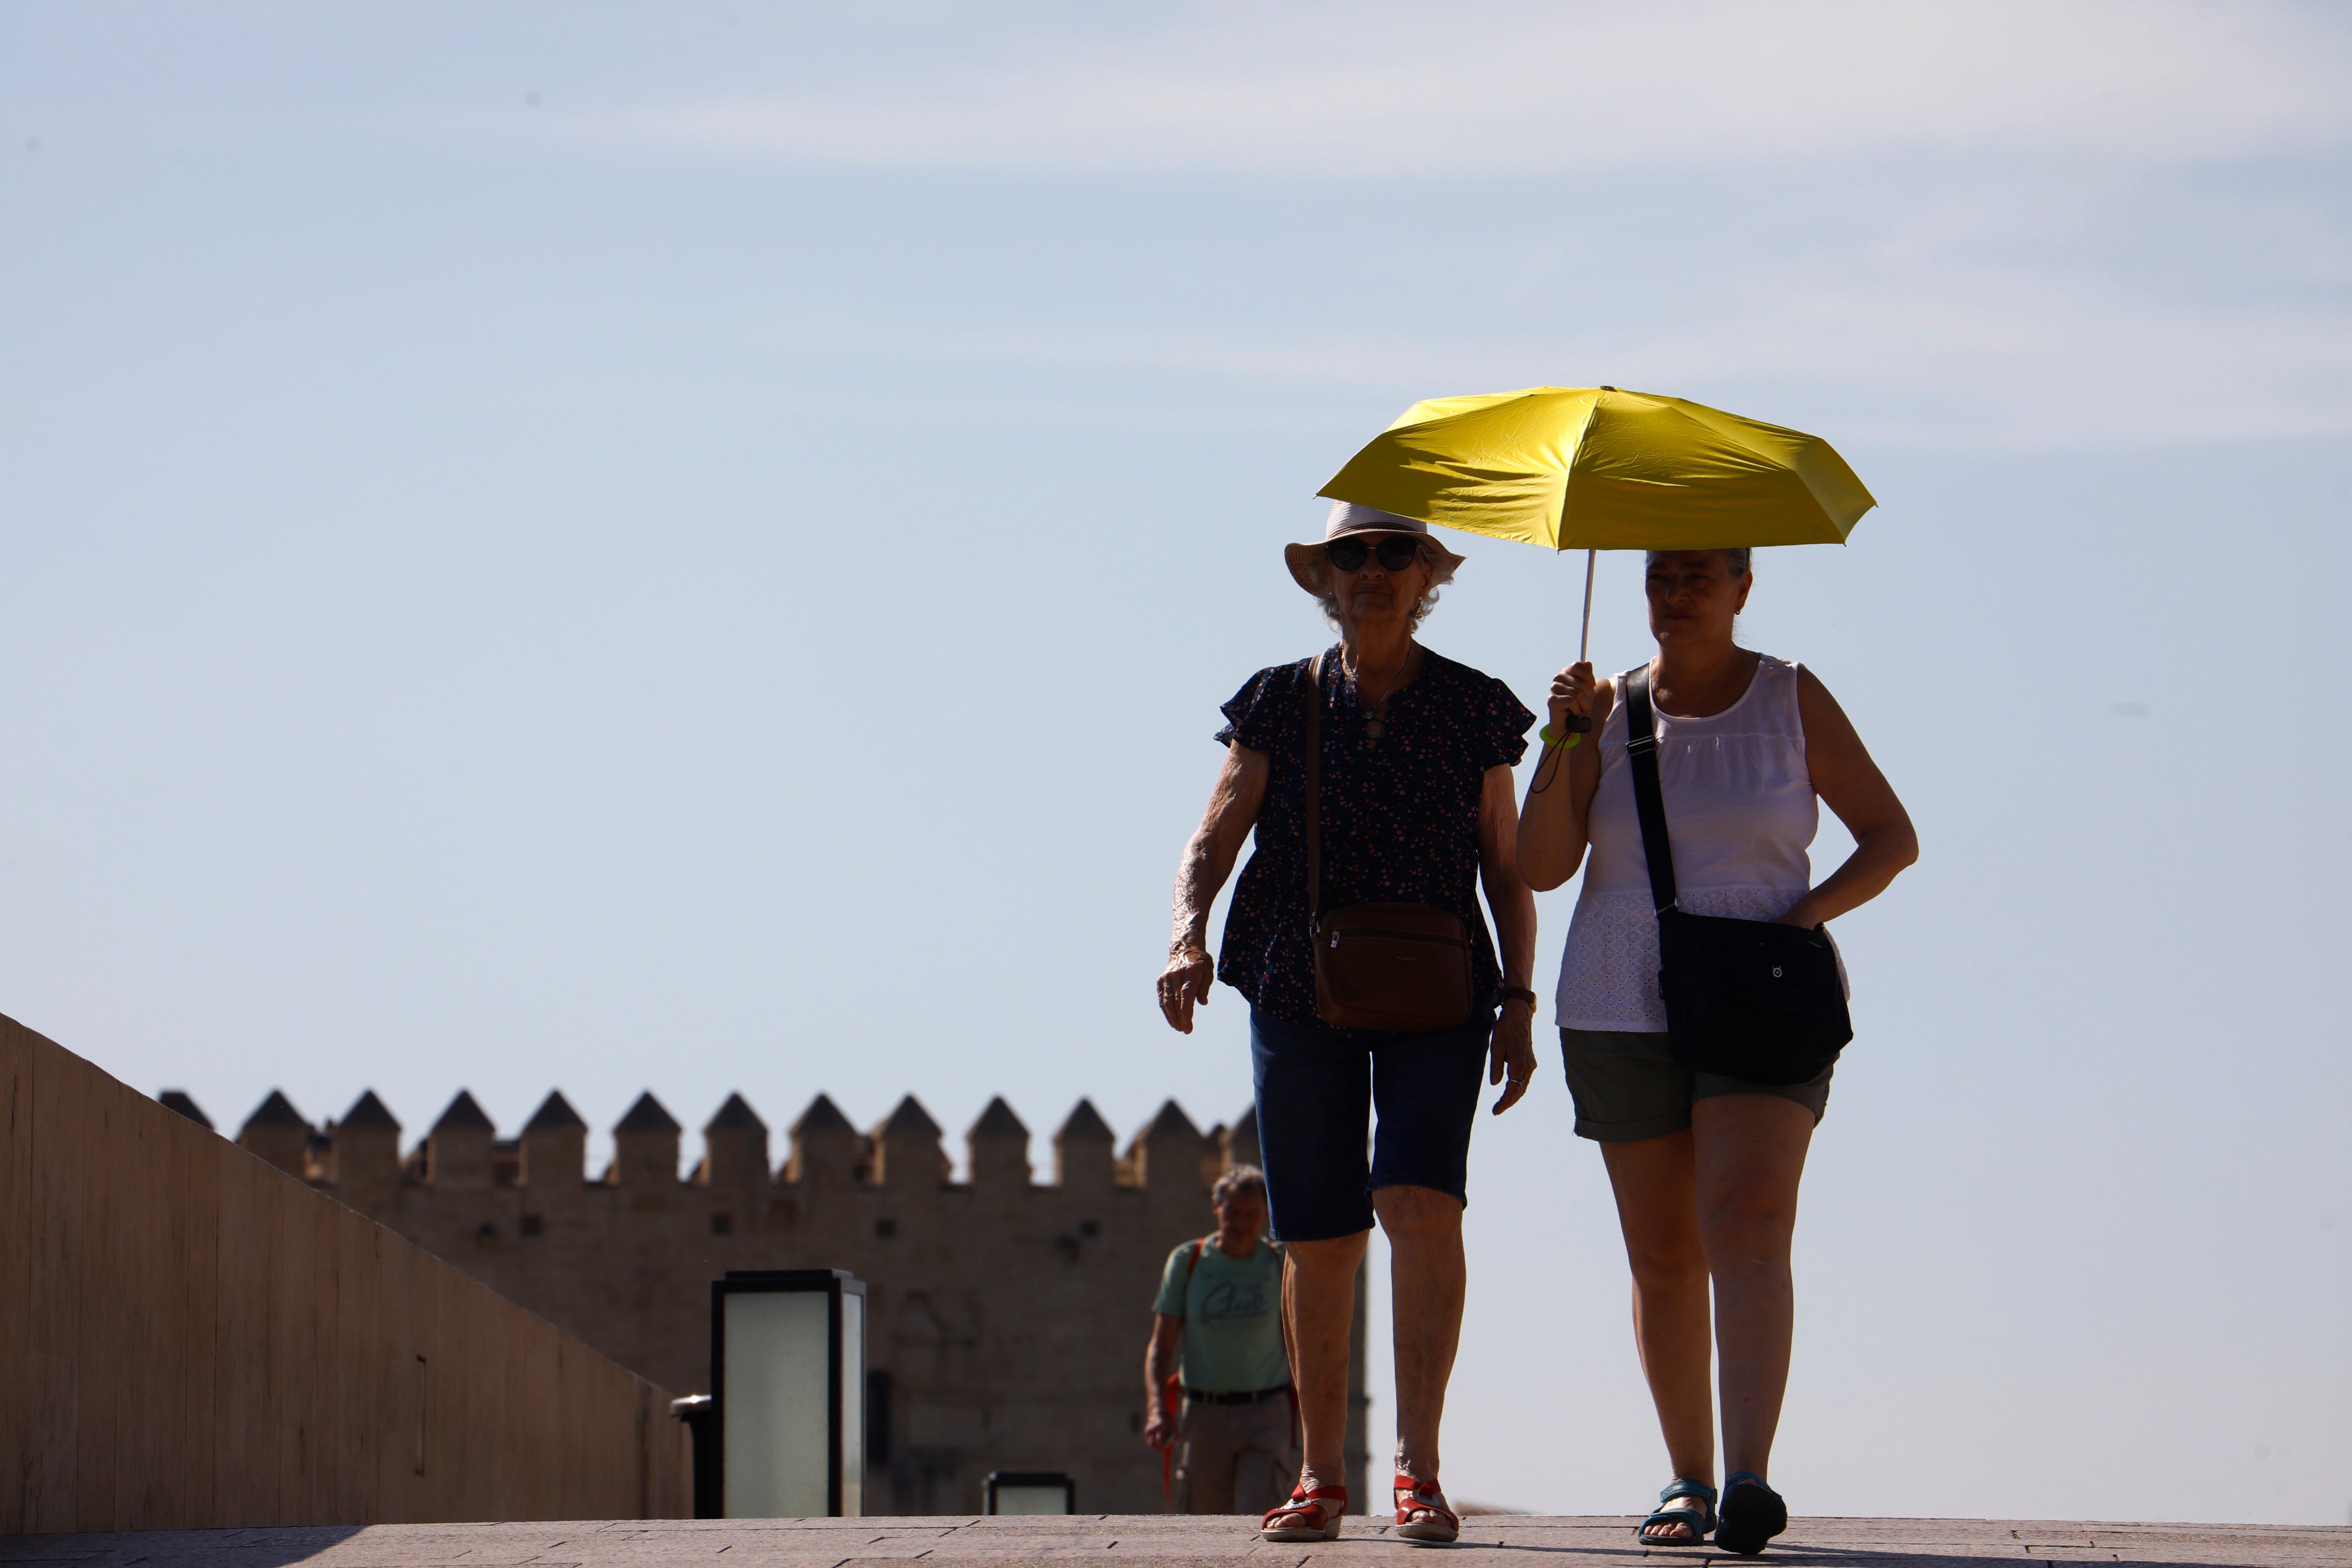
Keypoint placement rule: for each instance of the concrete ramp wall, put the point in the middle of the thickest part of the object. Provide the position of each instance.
(190, 1338)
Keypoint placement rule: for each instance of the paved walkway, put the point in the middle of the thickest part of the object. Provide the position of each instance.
(1131, 1542)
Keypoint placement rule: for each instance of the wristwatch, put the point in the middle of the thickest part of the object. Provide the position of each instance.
(1517, 993)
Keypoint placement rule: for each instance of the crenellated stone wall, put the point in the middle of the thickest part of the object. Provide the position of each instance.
(1008, 1315)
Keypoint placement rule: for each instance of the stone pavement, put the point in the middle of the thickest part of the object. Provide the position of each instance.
(1129, 1542)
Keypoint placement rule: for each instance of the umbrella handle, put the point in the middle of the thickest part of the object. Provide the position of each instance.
(1584, 639)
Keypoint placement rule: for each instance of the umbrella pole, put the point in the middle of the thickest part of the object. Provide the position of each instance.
(1584, 639)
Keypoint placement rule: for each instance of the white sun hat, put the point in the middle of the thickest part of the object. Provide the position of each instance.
(1306, 561)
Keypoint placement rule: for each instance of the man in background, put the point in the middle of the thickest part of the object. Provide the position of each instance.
(1228, 1414)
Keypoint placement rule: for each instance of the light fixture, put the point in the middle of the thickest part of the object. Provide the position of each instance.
(788, 1369)
(1030, 1492)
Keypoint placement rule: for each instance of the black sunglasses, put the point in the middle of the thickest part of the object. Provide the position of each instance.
(1396, 551)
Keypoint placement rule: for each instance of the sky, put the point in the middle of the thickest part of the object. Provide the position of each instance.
(698, 549)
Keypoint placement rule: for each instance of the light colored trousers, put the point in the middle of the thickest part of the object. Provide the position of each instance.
(1232, 1459)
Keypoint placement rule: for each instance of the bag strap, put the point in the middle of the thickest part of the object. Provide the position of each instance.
(1649, 801)
(1314, 798)
(1192, 1257)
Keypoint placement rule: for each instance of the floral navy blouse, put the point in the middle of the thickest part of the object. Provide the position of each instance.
(1400, 814)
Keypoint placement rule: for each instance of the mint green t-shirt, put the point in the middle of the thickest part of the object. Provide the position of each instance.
(1232, 1309)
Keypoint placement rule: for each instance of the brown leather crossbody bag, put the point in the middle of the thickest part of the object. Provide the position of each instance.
(1404, 968)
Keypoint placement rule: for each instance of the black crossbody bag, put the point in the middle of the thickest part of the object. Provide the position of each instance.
(1747, 999)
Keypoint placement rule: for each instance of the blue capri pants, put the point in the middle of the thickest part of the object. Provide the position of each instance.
(1318, 1085)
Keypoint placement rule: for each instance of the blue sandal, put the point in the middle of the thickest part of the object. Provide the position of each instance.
(1700, 1520)
(1753, 1513)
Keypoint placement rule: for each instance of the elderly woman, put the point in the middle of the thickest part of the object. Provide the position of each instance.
(1704, 1165)
(1407, 808)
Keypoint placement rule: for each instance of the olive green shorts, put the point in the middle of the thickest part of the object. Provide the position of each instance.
(1627, 1089)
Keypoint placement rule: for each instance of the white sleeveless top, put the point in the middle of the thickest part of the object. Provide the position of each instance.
(1741, 812)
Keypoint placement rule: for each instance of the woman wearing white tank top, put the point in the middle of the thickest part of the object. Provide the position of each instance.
(1704, 1167)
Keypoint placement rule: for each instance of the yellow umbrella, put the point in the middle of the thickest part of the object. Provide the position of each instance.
(1592, 467)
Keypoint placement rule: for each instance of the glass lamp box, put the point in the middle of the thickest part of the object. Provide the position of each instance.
(1029, 1492)
(788, 1366)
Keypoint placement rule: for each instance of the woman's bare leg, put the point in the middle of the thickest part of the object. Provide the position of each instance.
(1655, 1181)
(1751, 1155)
(1427, 1281)
(1318, 1309)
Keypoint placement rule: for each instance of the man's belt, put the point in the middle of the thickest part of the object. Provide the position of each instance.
(1202, 1396)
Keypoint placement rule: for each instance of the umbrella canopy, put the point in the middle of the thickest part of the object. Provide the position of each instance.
(1592, 467)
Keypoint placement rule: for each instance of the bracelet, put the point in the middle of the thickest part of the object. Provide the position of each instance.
(1553, 738)
(1516, 994)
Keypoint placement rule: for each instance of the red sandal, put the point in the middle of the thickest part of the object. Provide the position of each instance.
(1324, 1506)
(1423, 1497)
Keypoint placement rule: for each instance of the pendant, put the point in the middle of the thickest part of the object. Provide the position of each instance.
(1372, 727)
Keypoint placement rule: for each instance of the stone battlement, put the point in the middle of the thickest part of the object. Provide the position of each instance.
(463, 1152)
(1008, 1315)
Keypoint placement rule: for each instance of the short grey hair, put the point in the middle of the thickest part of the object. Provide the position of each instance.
(1735, 556)
(1240, 1179)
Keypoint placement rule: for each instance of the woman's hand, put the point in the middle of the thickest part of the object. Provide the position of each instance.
(1189, 976)
(1511, 1061)
(1571, 695)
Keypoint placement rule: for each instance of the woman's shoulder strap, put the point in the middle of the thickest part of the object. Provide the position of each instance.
(1299, 671)
(1780, 678)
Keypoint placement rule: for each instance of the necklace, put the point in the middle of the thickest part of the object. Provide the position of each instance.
(1375, 724)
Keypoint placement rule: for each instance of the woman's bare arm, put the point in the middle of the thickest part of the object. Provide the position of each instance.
(1850, 785)
(1555, 823)
(1511, 1058)
(1209, 856)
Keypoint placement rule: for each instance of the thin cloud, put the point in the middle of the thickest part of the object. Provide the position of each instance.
(1367, 92)
(1942, 355)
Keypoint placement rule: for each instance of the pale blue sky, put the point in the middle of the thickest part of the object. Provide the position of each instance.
(567, 546)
